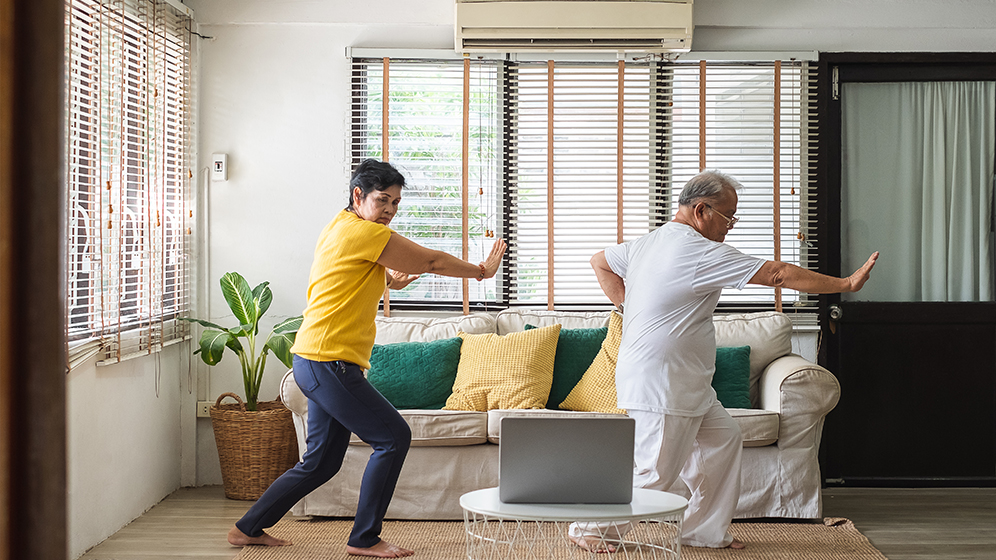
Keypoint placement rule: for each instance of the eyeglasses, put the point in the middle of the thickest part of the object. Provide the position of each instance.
(730, 222)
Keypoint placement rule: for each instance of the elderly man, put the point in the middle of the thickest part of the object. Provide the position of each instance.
(668, 282)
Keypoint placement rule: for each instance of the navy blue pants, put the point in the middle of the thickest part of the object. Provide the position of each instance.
(340, 401)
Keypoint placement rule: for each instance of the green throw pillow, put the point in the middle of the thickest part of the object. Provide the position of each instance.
(576, 349)
(415, 374)
(732, 378)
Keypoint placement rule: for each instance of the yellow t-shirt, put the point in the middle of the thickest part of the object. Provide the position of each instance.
(344, 287)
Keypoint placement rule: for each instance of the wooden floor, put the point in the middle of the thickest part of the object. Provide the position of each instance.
(905, 524)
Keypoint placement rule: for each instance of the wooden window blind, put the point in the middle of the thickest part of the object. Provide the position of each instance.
(128, 176)
(425, 123)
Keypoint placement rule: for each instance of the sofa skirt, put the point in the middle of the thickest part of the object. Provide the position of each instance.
(430, 486)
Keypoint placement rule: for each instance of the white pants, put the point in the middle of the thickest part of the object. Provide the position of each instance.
(705, 452)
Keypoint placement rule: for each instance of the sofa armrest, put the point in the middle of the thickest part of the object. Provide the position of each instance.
(802, 393)
(294, 399)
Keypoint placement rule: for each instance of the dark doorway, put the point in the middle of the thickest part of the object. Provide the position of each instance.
(916, 354)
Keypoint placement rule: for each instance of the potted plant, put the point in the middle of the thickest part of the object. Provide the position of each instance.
(256, 441)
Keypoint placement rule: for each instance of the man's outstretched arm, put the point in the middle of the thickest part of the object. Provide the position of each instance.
(611, 283)
(784, 275)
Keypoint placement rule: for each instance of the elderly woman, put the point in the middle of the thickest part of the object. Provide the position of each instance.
(356, 257)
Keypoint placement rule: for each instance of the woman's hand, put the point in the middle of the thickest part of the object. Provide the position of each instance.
(493, 262)
(398, 280)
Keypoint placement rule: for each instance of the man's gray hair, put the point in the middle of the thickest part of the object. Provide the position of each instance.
(708, 185)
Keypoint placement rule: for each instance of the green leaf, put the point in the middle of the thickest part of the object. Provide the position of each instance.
(281, 344)
(213, 346)
(263, 297)
(234, 344)
(239, 297)
(203, 323)
(289, 325)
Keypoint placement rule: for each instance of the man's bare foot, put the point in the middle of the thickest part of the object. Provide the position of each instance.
(238, 538)
(592, 543)
(383, 549)
(737, 545)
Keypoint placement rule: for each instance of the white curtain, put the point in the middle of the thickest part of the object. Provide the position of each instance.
(917, 185)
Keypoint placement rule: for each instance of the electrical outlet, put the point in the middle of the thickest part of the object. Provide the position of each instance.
(204, 409)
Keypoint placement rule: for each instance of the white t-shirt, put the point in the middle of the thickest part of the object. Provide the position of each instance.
(674, 277)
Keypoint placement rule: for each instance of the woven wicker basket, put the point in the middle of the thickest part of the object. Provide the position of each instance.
(254, 447)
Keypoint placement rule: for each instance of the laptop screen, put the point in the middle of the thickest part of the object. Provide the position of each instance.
(566, 460)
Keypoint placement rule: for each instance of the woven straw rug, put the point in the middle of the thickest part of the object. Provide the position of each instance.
(835, 539)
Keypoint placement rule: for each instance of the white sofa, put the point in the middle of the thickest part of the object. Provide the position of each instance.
(454, 452)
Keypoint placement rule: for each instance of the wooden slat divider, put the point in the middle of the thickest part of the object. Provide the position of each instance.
(465, 186)
(776, 182)
(549, 186)
(702, 115)
(385, 154)
(620, 126)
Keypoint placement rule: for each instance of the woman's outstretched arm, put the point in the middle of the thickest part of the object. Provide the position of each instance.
(404, 255)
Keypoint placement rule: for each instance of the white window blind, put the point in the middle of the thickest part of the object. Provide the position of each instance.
(425, 142)
(582, 134)
(128, 176)
(739, 139)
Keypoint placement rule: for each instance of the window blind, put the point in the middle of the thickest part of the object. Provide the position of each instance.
(739, 133)
(128, 175)
(425, 128)
(583, 139)
(596, 153)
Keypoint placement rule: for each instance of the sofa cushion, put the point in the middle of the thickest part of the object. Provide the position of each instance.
(732, 377)
(576, 350)
(495, 416)
(759, 427)
(421, 329)
(596, 392)
(415, 374)
(769, 335)
(443, 428)
(515, 320)
(512, 371)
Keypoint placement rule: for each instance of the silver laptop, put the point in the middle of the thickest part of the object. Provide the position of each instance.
(566, 460)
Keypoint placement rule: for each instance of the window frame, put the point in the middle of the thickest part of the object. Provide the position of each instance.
(664, 189)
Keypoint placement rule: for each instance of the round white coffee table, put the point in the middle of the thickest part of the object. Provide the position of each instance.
(650, 527)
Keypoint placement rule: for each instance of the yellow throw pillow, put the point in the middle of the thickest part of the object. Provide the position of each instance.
(511, 371)
(596, 392)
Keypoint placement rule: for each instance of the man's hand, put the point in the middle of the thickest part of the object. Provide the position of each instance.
(611, 283)
(861, 275)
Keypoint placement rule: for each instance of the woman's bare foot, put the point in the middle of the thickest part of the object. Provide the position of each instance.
(592, 543)
(737, 545)
(383, 549)
(238, 538)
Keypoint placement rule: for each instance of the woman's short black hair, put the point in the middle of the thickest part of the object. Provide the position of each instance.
(373, 175)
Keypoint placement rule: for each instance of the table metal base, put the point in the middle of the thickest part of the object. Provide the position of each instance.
(490, 538)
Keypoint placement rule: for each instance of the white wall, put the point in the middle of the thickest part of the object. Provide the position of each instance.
(273, 94)
(124, 441)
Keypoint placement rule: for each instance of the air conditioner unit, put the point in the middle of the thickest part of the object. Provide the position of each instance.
(651, 26)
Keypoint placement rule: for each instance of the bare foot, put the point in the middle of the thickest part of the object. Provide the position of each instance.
(592, 543)
(737, 545)
(238, 538)
(383, 549)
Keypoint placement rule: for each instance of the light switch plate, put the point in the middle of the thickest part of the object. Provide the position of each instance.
(219, 167)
